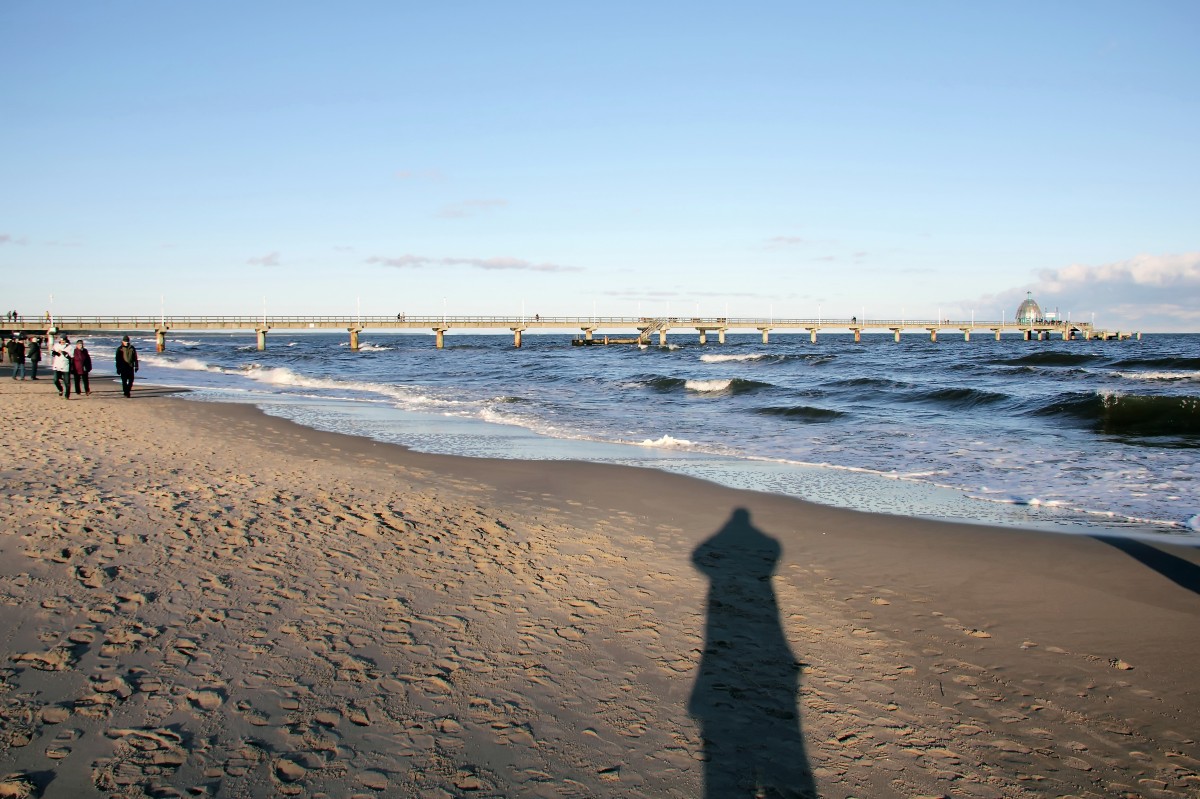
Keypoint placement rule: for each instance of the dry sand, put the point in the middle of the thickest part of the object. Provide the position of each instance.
(201, 600)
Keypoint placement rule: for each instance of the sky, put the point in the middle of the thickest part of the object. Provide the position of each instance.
(796, 159)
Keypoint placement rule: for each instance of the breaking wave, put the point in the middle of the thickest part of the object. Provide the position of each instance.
(1130, 414)
(804, 413)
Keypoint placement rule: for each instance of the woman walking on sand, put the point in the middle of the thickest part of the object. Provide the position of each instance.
(81, 360)
(61, 364)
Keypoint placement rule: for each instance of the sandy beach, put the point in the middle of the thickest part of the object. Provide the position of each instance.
(201, 600)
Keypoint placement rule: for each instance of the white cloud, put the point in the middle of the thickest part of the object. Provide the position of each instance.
(498, 263)
(270, 259)
(1145, 293)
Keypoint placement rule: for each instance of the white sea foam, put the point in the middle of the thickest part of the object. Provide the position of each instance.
(1178, 375)
(704, 386)
(727, 358)
(404, 396)
(1193, 523)
(666, 442)
(189, 364)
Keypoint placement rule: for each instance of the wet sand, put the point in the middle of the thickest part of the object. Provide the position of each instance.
(201, 600)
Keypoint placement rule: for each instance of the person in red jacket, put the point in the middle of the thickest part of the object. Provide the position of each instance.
(82, 363)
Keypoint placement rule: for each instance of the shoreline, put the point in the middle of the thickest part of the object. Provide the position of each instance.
(374, 619)
(830, 485)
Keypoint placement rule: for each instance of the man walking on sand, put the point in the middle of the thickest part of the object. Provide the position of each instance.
(33, 353)
(127, 364)
(61, 363)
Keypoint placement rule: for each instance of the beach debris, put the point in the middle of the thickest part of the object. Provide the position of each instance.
(1117, 663)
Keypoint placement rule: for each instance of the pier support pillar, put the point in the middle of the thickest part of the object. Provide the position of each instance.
(441, 337)
(587, 333)
(703, 335)
(517, 331)
(262, 337)
(857, 334)
(1027, 335)
(997, 331)
(812, 336)
(662, 337)
(354, 331)
(933, 335)
(721, 336)
(160, 339)
(896, 334)
(766, 334)
(1067, 334)
(966, 334)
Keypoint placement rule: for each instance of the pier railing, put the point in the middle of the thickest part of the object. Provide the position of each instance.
(400, 321)
(646, 326)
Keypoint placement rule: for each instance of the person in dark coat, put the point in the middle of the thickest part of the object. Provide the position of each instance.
(127, 364)
(16, 356)
(82, 364)
(33, 354)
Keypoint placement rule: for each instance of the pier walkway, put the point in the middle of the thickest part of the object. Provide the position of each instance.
(647, 327)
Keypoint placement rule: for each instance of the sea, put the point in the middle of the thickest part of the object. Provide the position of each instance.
(1090, 437)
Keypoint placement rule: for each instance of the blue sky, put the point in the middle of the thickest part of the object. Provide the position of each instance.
(864, 158)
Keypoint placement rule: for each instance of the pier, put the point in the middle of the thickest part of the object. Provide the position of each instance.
(594, 329)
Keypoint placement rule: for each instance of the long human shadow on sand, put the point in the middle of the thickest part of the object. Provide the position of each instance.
(1182, 572)
(745, 694)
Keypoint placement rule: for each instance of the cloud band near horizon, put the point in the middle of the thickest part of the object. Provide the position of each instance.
(497, 263)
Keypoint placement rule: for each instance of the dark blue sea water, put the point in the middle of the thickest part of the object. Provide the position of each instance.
(1072, 435)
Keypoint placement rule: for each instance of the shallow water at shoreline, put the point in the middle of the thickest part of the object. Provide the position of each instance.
(1078, 436)
(843, 488)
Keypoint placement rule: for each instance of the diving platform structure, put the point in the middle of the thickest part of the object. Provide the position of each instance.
(595, 329)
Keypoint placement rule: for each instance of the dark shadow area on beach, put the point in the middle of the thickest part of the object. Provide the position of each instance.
(745, 697)
(1182, 572)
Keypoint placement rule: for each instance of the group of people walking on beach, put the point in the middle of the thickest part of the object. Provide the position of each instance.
(69, 364)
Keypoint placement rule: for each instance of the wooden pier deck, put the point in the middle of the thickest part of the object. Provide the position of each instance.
(644, 329)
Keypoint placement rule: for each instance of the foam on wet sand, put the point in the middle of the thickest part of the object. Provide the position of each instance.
(199, 599)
